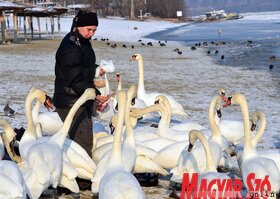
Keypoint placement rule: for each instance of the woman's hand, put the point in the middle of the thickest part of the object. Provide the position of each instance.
(102, 98)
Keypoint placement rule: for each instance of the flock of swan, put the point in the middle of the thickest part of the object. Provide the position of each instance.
(49, 158)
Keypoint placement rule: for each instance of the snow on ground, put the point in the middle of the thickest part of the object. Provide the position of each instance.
(192, 78)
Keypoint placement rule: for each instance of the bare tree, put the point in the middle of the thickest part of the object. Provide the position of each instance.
(165, 8)
(160, 8)
(132, 12)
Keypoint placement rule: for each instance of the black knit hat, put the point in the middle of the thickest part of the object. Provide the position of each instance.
(86, 19)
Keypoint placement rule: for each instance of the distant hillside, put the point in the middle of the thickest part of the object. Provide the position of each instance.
(199, 7)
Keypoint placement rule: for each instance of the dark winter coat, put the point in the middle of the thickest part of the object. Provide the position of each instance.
(74, 71)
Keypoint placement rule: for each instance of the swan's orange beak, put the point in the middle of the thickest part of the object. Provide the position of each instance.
(118, 77)
(224, 97)
(48, 103)
(132, 58)
(228, 102)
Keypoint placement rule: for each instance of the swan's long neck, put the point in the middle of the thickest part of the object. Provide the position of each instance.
(30, 129)
(10, 150)
(140, 112)
(261, 129)
(29, 135)
(129, 135)
(35, 111)
(248, 148)
(7, 138)
(163, 123)
(216, 133)
(141, 87)
(167, 106)
(116, 159)
(209, 157)
(60, 136)
(9, 131)
(165, 117)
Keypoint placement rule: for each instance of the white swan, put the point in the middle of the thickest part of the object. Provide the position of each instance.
(149, 98)
(144, 161)
(196, 161)
(141, 133)
(9, 134)
(128, 149)
(211, 172)
(134, 115)
(163, 136)
(271, 154)
(50, 121)
(145, 134)
(129, 143)
(68, 172)
(252, 162)
(29, 135)
(163, 128)
(103, 163)
(232, 130)
(75, 153)
(38, 172)
(144, 156)
(8, 138)
(42, 165)
(110, 186)
(137, 102)
(12, 181)
(168, 156)
(179, 127)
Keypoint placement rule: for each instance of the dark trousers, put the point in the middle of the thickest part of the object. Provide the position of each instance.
(81, 127)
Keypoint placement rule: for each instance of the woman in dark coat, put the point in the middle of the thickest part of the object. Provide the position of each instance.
(74, 73)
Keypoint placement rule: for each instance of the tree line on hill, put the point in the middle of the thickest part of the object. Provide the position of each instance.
(131, 8)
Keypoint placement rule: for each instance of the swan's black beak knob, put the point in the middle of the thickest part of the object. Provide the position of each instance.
(219, 113)
(112, 128)
(190, 147)
(253, 127)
